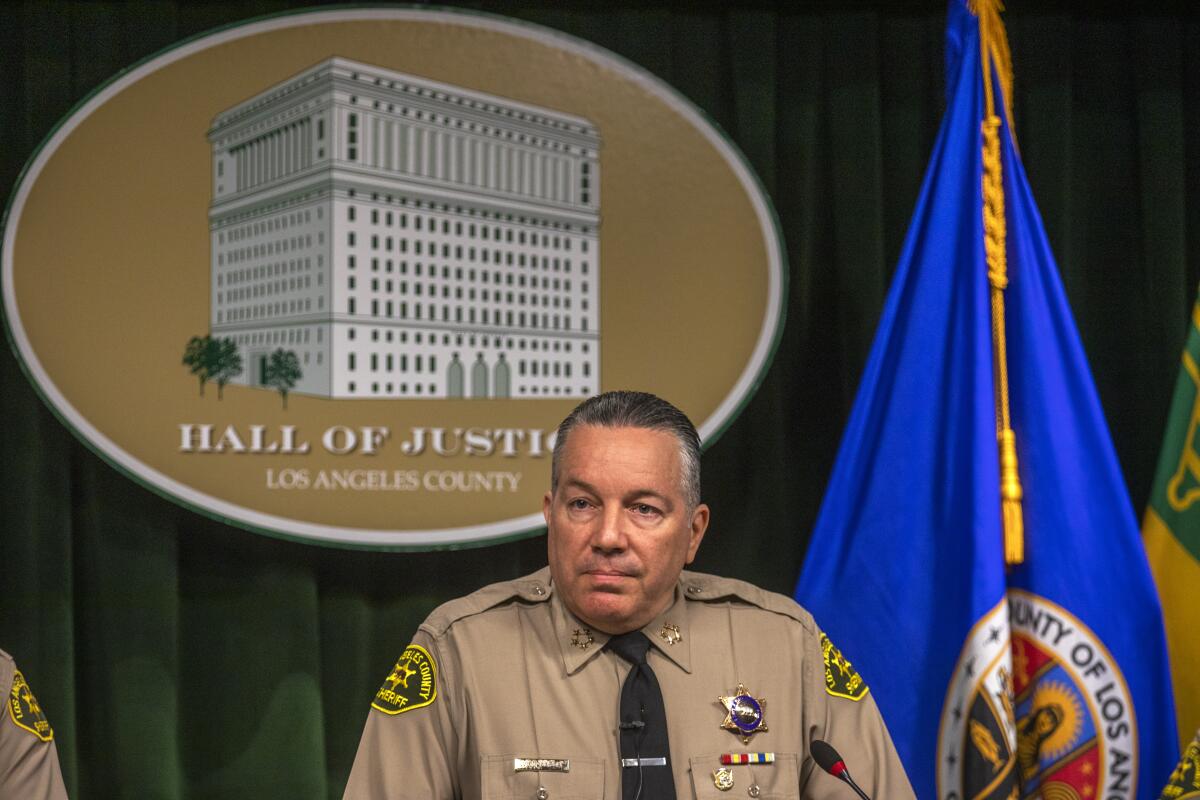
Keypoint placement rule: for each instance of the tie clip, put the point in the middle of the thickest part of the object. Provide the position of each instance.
(747, 758)
(661, 761)
(541, 765)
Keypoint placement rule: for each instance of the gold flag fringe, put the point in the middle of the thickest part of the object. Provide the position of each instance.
(994, 53)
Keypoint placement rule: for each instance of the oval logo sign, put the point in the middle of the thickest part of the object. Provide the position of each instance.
(337, 275)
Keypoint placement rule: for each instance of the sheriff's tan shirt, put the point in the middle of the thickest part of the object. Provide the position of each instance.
(28, 759)
(508, 674)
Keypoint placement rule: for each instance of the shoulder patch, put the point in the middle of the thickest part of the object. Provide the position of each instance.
(841, 679)
(1184, 783)
(411, 684)
(24, 711)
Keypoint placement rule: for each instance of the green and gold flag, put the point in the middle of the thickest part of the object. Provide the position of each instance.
(1185, 780)
(1171, 531)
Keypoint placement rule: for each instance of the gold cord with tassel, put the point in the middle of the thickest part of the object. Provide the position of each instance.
(993, 46)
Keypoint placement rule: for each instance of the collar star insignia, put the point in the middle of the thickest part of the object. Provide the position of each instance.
(670, 633)
(581, 638)
(744, 713)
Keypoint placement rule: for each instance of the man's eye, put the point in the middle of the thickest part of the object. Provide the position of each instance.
(644, 509)
(578, 503)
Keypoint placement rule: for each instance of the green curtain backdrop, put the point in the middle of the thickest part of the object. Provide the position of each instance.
(180, 658)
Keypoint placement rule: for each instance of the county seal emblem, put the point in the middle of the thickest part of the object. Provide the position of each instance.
(1037, 707)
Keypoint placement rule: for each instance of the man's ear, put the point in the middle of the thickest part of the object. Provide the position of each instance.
(698, 527)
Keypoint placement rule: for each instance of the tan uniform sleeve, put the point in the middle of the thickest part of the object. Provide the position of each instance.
(856, 730)
(409, 748)
(28, 764)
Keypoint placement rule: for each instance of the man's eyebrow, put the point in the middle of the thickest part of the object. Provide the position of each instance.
(648, 493)
(587, 487)
(579, 484)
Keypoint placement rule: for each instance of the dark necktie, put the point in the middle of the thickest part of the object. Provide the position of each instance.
(645, 752)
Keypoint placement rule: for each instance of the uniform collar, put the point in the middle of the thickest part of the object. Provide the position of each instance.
(579, 644)
(669, 632)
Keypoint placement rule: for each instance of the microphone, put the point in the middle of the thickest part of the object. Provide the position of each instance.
(828, 759)
(639, 726)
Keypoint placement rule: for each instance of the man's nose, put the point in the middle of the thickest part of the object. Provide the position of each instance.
(609, 535)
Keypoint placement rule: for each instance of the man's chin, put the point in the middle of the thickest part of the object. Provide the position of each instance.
(607, 611)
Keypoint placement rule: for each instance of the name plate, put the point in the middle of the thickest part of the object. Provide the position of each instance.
(541, 765)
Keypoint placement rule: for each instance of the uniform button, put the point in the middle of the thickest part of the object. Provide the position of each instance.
(538, 590)
(542, 794)
(694, 590)
(754, 791)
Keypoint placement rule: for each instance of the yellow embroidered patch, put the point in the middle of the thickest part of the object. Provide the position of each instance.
(24, 710)
(841, 679)
(1185, 780)
(411, 684)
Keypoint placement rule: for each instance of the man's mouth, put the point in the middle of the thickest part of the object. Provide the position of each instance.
(607, 576)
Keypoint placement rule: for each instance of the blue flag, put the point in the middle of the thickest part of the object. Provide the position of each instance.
(1048, 676)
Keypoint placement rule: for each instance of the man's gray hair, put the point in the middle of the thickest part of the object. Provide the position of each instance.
(625, 409)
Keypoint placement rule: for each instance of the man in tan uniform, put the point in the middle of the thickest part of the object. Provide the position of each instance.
(512, 692)
(28, 760)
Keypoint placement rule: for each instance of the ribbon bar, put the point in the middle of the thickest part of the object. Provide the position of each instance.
(747, 758)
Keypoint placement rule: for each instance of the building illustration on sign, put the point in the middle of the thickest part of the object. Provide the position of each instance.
(406, 238)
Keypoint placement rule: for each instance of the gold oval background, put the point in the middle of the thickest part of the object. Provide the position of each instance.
(107, 270)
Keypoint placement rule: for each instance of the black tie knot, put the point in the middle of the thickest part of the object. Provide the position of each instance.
(630, 646)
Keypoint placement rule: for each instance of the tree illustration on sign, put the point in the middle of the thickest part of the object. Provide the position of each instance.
(227, 364)
(283, 372)
(196, 359)
(212, 359)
